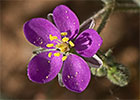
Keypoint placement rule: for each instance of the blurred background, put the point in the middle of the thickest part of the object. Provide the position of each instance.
(121, 32)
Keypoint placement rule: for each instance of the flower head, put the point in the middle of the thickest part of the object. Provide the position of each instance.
(59, 39)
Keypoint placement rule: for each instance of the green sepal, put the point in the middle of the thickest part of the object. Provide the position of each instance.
(100, 72)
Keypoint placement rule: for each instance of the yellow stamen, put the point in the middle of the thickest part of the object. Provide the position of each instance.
(57, 54)
(64, 33)
(50, 54)
(50, 45)
(71, 43)
(52, 37)
(64, 58)
(65, 39)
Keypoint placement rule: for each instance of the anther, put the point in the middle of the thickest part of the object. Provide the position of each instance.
(64, 33)
(64, 58)
(65, 39)
(52, 37)
(50, 45)
(49, 54)
(71, 44)
(57, 54)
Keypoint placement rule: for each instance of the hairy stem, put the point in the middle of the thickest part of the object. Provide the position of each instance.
(133, 8)
(109, 8)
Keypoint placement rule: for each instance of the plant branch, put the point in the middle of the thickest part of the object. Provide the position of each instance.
(109, 8)
(137, 2)
(127, 8)
(98, 14)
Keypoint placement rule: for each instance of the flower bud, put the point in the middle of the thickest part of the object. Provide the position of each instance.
(101, 71)
(118, 74)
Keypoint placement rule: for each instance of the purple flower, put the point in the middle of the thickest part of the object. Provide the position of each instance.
(59, 39)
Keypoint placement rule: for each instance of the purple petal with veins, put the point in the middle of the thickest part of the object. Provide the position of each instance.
(88, 43)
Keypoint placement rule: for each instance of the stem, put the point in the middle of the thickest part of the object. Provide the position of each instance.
(104, 20)
(137, 2)
(104, 60)
(105, 65)
(98, 14)
(128, 8)
(109, 9)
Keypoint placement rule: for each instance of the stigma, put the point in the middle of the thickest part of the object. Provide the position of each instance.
(63, 46)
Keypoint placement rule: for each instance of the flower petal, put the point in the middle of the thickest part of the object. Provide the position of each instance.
(75, 73)
(37, 31)
(88, 43)
(66, 20)
(94, 61)
(42, 69)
